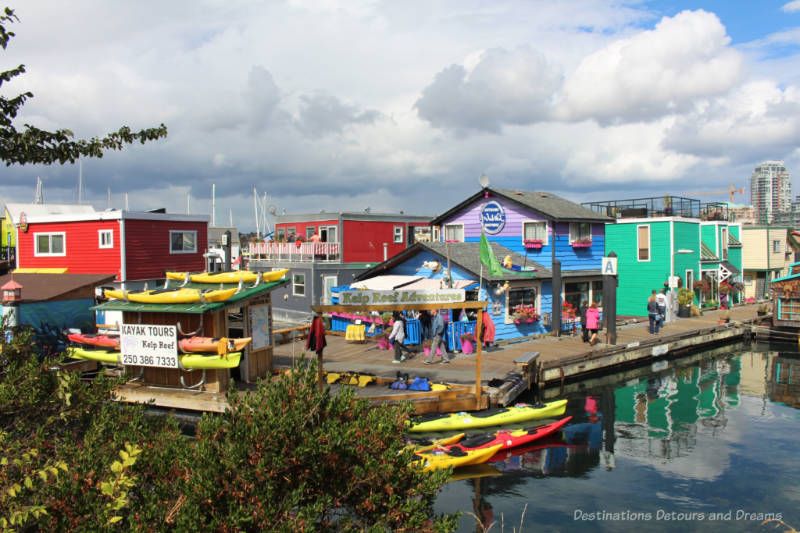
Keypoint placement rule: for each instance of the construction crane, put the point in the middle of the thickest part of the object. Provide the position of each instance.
(733, 190)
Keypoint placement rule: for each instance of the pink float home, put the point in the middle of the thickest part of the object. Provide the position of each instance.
(133, 246)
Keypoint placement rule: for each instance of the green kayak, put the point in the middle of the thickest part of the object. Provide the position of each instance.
(490, 417)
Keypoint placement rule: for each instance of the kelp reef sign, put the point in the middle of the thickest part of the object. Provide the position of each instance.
(401, 297)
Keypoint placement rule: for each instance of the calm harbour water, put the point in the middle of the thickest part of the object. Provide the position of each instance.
(705, 442)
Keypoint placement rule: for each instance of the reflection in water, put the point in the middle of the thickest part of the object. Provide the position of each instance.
(703, 433)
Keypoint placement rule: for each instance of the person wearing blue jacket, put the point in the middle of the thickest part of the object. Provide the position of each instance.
(437, 330)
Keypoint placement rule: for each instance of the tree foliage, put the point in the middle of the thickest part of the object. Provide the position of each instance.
(34, 145)
(285, 457)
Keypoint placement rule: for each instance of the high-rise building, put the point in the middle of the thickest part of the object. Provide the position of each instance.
(770, 190)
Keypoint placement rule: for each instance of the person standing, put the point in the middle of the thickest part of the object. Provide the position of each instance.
(593, 322)
(661, 301)
(397, 336)
(437, 331)
(425, 324)
(584, 331)
(652, 313)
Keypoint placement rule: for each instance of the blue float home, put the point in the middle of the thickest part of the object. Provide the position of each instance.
(525, 229)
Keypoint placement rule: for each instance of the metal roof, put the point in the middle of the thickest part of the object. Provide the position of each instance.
(195, 308)
(706, 254)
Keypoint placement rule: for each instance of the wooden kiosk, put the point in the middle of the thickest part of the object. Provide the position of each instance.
(202, 389)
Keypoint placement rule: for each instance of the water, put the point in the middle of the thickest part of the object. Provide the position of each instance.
(704, 443)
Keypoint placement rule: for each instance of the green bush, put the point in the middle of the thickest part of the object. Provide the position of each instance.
(285, 457)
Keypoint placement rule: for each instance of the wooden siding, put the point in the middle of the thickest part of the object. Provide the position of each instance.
(638, 278)
(81, 244)
(511, 236)
(362, 241)
(147, 248)
(757, 251)
(687, 237)
(709, 233)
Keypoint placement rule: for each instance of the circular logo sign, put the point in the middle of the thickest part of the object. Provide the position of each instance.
(23, 222)
(493, 217)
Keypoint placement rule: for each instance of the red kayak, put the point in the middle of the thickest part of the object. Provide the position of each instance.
(553, 441)
(508, 438)
(106, 341)
(189, 344)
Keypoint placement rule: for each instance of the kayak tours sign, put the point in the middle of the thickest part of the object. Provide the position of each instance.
(149, 345)
(401, 297)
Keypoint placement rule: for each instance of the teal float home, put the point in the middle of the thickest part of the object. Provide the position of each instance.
(529, 232)
(658, 240)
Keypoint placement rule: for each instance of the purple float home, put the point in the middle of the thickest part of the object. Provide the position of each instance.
(528, 229)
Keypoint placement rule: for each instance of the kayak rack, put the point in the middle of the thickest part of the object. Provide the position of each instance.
(200, 385)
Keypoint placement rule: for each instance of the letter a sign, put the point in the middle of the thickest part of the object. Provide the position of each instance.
(609, 267)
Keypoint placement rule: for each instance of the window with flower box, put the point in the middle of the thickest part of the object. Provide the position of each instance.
(580, 234)
(534, 233)
(454, 232)
(518, 300)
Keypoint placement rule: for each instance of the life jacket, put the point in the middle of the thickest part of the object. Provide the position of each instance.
(401, 383)
(420, 383)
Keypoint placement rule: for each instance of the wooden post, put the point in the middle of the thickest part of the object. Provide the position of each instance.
(479, 343)
(610, 306)
(320, 373)
(555, 320)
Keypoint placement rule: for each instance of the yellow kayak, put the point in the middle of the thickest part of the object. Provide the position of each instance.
(193, 361)
(172, 296)
(423, 445)
(489, 417)
(436, 459)
(235, 276)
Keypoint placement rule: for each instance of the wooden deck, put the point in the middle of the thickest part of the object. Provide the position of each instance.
(561, 358)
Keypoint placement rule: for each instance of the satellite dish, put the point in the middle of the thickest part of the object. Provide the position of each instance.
(272, 209)
(483, 180)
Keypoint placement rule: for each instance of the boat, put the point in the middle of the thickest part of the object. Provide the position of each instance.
(189, 344)
(234, 276)
(437, 459)
(507, 438)
(177, 295)
(195, 361)
(422, 445)
(489, 417)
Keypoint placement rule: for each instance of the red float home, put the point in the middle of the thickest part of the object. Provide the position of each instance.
(133, 246)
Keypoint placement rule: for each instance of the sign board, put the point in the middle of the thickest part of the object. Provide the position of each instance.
(260, 326)
(609, 266)
(443, 296)
(149, 345)
(492, 217)
(23, 222)
(674, 281)
(661, 349)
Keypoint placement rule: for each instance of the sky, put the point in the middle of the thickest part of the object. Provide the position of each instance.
(343, 105)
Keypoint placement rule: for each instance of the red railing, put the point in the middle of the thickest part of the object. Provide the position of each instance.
(290, 251)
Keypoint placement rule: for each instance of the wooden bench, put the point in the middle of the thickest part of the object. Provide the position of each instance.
(282, 336)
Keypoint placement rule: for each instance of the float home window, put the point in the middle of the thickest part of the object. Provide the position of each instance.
(535, 230)
(291, 231)
(723, 242)
(689, 279)
(580, 231)
(398, 234)
(776, 246)
(454, 232)
(298, 284)
(280, 234)
(515, 297)
(310, 230)
(597, 292)
(50, 244)
(643, 242)
(106, 237)
(183, 242)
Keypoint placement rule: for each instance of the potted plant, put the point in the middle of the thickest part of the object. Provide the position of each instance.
(585, 242)
(762, 310)
(685, 299)
(525, 313)
(724, 317)
(532, 243)
(703, 286)
(567, 311)
(467, 343)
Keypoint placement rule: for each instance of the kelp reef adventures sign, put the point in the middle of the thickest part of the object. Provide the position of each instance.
(401, 297)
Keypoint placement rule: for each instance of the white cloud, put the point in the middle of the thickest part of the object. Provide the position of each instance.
(654, 73)
(791, 7)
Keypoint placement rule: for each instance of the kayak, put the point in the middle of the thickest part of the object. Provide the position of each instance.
(490, 417)
(105, 341)
(436, 459)
(189, 344)
(234, 276)
(423, 445)
(553, 441)
(190, 361)
(508, 438)
(172, 296)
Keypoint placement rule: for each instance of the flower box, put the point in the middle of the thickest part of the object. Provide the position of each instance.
(524, 321)
(581, 244)
(532, 243)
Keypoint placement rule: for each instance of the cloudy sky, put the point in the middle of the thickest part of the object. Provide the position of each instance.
(401, 105)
